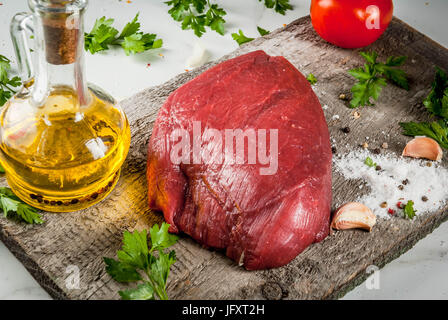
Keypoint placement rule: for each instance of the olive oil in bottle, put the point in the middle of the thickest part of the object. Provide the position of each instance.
(62, 143)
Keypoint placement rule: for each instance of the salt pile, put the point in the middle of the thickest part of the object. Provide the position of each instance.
(385, 184)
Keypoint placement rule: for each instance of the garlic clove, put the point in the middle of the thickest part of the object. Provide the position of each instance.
(423, 147)
(198, 57)
(353, 215)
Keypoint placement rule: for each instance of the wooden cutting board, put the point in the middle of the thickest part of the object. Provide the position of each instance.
(326, 270)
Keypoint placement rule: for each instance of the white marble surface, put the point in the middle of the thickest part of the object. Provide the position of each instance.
(418, 274)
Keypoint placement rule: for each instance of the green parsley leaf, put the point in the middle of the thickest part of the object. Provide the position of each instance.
(311, 78)
(4, 96)
(437, 100)
(262, 31)
(196, 15)
(101, 36)
(437, 130)
(437, 103)
(5, 65)
(161, 238)
(130, 28)
(133, 44)
(240, 38)
(409, 211)
(11, 204)
(196, 23)
(396, 76)
(178, 9)
(280, 6)
(135, 249)
(15, 81)
(370, 57)
(214, 19)
(363, 91)
(121, 272)
(136, 259)
(372, 78)
(160, 268)
(6, 84)
(144, 291)
(131, 39)
(369, 162)
(395, 61)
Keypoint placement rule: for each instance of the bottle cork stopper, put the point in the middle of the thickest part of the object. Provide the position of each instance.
(61, 34)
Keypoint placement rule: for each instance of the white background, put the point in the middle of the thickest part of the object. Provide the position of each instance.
(420, 273)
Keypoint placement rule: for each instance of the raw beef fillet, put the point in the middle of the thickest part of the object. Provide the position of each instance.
(260, 220)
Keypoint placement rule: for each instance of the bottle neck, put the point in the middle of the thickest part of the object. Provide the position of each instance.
(59, 43)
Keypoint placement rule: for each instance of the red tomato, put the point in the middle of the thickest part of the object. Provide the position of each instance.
(351, 23)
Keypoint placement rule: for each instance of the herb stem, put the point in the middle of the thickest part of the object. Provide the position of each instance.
(161, 293)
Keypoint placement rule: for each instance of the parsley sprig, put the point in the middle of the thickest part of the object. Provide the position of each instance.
(131, 39)
(437, 104)
(198, 14)
(137, 262)
(13, 206)
(7, 84)
(373, 77)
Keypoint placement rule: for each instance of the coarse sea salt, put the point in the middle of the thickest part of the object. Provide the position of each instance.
(424, 181)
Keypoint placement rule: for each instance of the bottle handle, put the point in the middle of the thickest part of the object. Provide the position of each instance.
(21, 24)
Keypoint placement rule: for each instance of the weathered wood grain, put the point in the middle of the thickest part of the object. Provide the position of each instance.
(325, 270)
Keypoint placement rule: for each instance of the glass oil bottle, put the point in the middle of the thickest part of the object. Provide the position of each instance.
(62, 143)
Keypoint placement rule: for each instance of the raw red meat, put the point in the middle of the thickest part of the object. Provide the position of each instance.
(262, 221)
